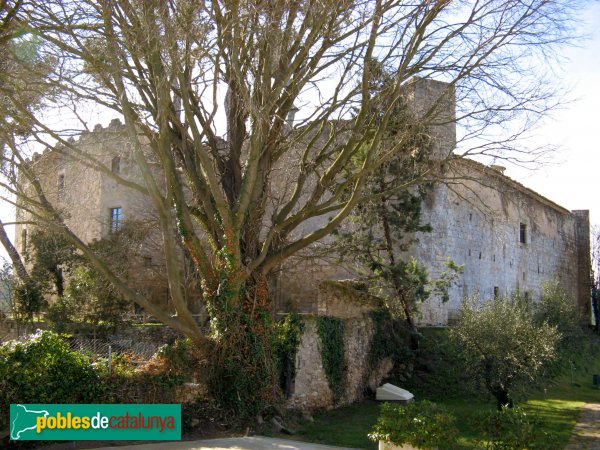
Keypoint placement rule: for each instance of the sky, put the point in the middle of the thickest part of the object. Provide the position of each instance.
(571, 177)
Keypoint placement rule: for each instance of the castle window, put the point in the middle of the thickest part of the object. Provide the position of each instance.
(24, 241)
(116, 219)
(147, 261)
(115, 165)
(60, 191)
(496, 292)
(523, 233)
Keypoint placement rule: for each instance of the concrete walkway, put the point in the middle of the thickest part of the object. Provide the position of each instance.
(240, 443)
(586, 434)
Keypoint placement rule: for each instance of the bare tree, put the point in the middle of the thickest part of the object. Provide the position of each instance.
(261, 117)
(22, 81)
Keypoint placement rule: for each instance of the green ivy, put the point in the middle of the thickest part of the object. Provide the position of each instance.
(331, 333)
(286, 340)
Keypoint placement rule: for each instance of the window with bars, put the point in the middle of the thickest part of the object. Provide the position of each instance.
(116, 219)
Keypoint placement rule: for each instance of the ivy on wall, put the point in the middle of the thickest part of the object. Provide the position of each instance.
(285, 347)
(331, 334)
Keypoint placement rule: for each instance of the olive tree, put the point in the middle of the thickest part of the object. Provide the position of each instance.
(503, 345)
(260, 115)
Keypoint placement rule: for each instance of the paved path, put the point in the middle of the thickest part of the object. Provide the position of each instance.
(586, 434)
(239, 443)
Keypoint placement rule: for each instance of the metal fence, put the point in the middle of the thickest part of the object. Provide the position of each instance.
(104, 347)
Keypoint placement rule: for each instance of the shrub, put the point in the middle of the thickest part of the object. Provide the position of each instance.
(421, 424)
(502, 344)
(27, 301)
(152, 382)
(510, 429)
(559, 309)
(61, 313)
(44, 370)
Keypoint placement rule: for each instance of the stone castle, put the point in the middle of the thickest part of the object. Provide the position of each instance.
(509, 238)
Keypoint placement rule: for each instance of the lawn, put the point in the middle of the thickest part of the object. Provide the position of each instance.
(557, 405)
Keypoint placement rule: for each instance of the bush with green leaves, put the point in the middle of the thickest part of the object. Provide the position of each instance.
(61, 313)
(560, 309)
(511, 428)
(44, 369)
(421, 424)
(178, 359)
(503, 346)
(27, 301)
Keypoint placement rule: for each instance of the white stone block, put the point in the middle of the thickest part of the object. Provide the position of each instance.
(389, 392)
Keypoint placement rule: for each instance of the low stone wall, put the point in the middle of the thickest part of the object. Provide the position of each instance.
(310, 388)
(344, 299)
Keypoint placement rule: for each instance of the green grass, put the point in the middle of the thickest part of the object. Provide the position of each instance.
(558, 405)
(346, 427)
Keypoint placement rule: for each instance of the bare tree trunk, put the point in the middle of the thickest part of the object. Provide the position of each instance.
(503, 399)
(13, 254)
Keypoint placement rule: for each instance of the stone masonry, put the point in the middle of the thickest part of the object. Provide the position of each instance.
(509, 238)
(310, 389)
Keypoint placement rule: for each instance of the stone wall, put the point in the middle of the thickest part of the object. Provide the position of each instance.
(311, 390)
(86, 195)
(477, 214)
(508, 238)
(345, 300)
(297, 287)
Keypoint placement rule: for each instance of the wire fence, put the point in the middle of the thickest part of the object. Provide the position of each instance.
(141, 347)
(104, 347)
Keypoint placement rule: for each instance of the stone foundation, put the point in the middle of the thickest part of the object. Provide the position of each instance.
(310, 389)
